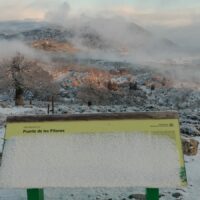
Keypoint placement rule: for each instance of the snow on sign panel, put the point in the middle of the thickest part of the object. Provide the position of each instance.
(98, 150)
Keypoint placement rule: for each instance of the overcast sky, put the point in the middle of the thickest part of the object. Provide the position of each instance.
(152, 12)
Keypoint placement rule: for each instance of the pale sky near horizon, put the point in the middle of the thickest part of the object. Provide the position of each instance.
(168, 12)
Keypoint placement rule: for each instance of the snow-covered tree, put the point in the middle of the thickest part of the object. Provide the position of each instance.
(22, 74)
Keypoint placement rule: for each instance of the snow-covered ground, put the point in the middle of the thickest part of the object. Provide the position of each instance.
(21, 111)
(191, 192)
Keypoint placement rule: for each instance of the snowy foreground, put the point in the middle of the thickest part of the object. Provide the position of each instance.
(192, 192)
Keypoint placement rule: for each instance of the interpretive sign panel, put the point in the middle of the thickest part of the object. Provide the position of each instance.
(94, 150)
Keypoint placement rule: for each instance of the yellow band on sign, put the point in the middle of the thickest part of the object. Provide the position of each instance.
(161, 127)
(168, 127)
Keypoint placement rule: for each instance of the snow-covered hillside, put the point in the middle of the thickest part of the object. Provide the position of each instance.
(122, 67)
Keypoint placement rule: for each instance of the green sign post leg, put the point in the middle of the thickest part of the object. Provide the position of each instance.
(35, 194)
(152, 194)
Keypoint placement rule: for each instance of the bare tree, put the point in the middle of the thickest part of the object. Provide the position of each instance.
(22, 74)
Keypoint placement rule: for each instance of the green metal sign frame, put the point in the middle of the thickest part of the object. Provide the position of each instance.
(152, 194)
(35, 194)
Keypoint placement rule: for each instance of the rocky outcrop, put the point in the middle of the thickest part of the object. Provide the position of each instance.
(190, 146)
